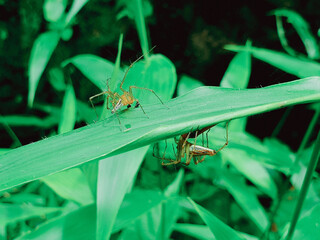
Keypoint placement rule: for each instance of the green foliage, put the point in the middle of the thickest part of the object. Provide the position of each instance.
(105, 180)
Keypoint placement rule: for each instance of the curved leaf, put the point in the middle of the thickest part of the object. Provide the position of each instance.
(303, 29)
(201, 107)
(41, 52)
(218, 228)
(68, 112)
(297, 66)
(95, 68)
(115, 175)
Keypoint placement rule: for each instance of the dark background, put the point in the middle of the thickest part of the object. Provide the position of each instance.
(190, 33)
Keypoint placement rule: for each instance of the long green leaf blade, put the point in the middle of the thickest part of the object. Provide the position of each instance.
(199, 108)
(115, 175)
(69, 111)
(293, 65)
(219, 229)
(41, 52)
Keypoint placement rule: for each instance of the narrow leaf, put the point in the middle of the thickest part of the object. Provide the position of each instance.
(115, 175)
(69, 112)
(219, 229)
(303, 29)
(72, 185)
(41, 52)
(293, 65)
(105, 139)
(95, 68)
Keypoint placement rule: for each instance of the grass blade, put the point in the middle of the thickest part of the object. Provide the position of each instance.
(303, 29)
(115, 175)
(104, 139)
(69, 112)
(297, 66)
(305, 186)
(219, 229)
(41, 52)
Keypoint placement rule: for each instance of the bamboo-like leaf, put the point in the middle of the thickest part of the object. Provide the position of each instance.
(247, 199)
(72, 185)
(199, 108)
(303, 29)
(219, 229)
(41, 52)
(297, 66)
(115, 175)
(95, 68)
(75, 8)
(69, 112)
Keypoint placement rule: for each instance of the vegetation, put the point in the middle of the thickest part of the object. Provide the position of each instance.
(90, 178)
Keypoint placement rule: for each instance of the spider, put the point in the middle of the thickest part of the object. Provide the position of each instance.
(126, 99)
(191, 151)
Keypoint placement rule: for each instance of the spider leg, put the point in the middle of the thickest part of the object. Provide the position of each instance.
(131, 65)
(227, 140)
(130, 90)
(139, 104)
(97, 95)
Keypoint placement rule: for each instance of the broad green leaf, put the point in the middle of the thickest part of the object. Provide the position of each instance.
(77, 225)
(308, 225)
(156, 73)
(72, 185)
(41, 52)
(53, 9)
(105, 139)
(95, 68)
(11, 213)
(303, 29)
(75, 8)
(115, 175)
(293, 65)
(68, 112)
(136, 204)
(247, 199)
(187, 84)
(219, 229)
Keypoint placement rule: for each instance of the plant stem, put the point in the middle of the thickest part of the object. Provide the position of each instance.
(281, 122)
(309, 131)
(141, 28)
(306, 183)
